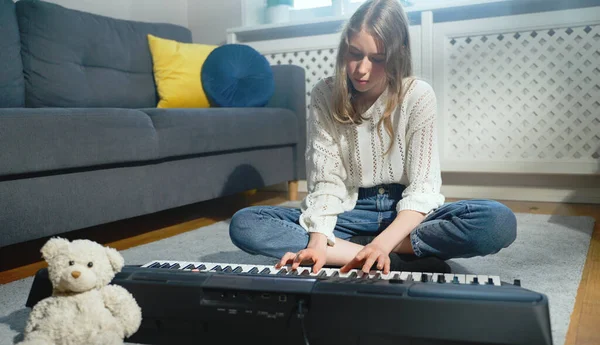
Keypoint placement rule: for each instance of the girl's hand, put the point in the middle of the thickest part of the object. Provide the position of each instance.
(315, 254)
(310, 256)
(370, 254)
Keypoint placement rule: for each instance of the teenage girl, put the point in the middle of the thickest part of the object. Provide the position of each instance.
(373, 168)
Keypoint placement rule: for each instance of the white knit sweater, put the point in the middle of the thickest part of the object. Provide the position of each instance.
(340, 158)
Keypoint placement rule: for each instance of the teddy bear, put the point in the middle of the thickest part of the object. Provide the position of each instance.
(83, 308)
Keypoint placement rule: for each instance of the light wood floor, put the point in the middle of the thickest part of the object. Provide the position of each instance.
(23, 260)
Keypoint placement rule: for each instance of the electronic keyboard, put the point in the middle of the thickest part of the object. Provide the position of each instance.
(223, 303)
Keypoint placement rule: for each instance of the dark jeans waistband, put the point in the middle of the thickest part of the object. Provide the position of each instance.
(393, 190)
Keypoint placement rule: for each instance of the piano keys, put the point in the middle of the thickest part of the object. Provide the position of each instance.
(306, 271)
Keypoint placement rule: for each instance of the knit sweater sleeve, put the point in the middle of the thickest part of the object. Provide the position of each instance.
(326, 173)
(422, 167)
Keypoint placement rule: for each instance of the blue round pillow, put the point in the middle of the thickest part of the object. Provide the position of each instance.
(236, 75)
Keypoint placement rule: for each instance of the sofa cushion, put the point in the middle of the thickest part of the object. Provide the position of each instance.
(208, 130)
(36, 140)
(236, 75)
(12, 85)
(177, 69)
(78, 59)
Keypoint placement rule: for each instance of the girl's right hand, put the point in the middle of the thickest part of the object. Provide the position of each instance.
(315, 254)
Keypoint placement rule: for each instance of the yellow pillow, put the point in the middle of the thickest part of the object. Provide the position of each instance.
(177, 69)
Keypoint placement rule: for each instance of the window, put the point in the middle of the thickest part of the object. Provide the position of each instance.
(306, 4)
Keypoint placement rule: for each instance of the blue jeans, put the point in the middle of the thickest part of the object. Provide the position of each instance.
(460, 229)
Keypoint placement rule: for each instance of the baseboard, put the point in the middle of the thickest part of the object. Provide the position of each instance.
(578, 196)
(574, 195)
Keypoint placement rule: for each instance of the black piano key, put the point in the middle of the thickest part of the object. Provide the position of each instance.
(165, 265)
(396, 279)
(227, 269)
(490, 281)
(266, 270)
(377, 276)
(189, 267)
(201, 267)
(424, 278)
(409, 278)
(475, 280)
(335, 274)
(353, 275)
(253, 270)
(217, 268)
(305, 273)
(294, 273)
(238, 269)
(174, 267)
(441, 278)
(154, 265)
(517, 282)
(282, 271)
(322, 274)
(455, 280)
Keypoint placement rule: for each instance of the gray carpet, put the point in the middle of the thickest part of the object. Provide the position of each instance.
(548, 256)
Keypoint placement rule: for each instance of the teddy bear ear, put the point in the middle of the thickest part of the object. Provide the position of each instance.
(115, 258)
(53, 247)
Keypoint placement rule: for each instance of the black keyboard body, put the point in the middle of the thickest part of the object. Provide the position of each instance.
(185, 307)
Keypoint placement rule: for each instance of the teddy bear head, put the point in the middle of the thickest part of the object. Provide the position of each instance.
(80, 265)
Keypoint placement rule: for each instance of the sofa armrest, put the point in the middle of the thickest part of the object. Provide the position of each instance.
(290, 93)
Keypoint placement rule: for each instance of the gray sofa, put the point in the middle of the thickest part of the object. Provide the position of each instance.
(82, 142)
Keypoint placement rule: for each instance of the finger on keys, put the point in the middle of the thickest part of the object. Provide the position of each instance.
(386, 267)
(318, 265)
(369, 263)
(350, 265)
(297, 260)
(380, 262)
(284, 260)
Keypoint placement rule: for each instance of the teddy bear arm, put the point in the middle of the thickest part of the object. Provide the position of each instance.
(37, 315)
(123, 307)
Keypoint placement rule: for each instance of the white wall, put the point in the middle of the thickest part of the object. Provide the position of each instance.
(171, 11)
(209, 19)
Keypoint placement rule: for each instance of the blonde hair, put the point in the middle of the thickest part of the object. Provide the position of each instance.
(387, 22)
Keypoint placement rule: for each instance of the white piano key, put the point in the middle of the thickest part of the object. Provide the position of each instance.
(482, 279)
(496, 280)
(429, 276)
(404, 275)
(471, 276)
(462, 278)
(416, 276)
(435, 276)
(449, 277)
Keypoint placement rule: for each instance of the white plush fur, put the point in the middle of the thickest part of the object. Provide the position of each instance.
(83, 308)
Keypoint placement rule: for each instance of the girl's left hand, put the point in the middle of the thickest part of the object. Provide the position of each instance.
(369, 255)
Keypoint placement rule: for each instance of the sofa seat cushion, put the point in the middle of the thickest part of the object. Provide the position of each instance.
(210, 130)
(39, 140)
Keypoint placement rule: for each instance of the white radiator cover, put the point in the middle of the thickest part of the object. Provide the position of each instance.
(517, 95)
(520, 93)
